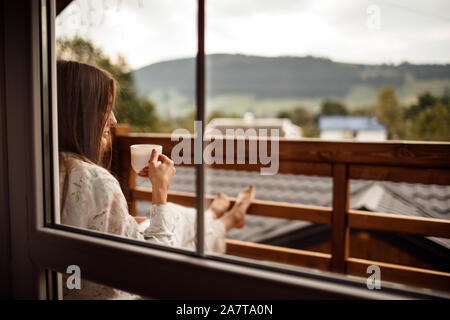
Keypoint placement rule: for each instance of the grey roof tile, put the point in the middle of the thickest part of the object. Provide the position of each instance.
(383, 196)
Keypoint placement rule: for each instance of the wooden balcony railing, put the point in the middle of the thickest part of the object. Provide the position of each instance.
(412, 162)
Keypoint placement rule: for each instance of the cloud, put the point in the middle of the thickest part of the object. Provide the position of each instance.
(159, 30)
(147, 31)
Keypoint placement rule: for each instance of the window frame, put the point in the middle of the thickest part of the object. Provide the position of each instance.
(36, 246)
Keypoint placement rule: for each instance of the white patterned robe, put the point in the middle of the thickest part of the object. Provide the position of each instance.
(95, 201)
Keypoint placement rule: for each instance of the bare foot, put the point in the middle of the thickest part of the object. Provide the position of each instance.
(140, 219)
(235, 218)
(219, 205)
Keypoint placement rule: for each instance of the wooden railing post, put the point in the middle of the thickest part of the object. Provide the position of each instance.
(339, 226)
(131, 200)
(121, 130)
(121, 166)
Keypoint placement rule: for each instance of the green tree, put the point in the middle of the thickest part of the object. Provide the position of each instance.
(428, 119)
(333, 107)
(432, 124)
(425, 100)
(138, 112)
(187, 122)
(445, 99)
(363, 111)
(303, 118)
(284, 114)
(390, 113)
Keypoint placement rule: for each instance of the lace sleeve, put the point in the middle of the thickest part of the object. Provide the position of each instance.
(162, 226)
(95, 201)
(112, 210)
(113, 217)
(175, 225)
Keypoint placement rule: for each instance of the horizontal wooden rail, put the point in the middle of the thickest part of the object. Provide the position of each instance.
(271, 253)
(395, 223)
(183, 198)
(386, 153)
(310, 259)
(357, 267)
(401, 274)
(321, 215)
(400, 174)
(411, 162)
(286, 167)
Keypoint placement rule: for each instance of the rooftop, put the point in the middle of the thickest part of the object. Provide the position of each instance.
(285, 126)
(353, 123)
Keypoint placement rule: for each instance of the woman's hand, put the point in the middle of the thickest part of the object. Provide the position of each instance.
(160, 175)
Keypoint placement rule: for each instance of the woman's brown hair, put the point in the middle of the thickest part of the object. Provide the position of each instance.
(86, 97)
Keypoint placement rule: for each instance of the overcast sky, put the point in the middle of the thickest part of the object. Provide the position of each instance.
(362, 31)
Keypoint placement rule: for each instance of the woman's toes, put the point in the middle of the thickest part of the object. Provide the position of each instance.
(251, 191)
(246, 195)
(241, 206)
(219, 205)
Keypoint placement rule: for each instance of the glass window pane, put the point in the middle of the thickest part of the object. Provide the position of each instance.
(247, 86)
(114, 93)
(304, 60)
(358, 71)
(268, 74)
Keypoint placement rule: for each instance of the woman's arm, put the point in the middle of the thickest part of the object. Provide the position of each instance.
(109, 212)
(118, 221)
(169, 225)
(106, 210)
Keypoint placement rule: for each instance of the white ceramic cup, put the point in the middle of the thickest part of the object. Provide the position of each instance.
(140, 155)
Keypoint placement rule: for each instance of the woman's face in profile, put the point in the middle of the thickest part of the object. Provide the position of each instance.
(111, 122)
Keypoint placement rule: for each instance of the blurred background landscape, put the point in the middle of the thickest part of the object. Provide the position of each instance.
(412, 99)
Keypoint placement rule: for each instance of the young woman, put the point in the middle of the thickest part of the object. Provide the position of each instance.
(91, 197)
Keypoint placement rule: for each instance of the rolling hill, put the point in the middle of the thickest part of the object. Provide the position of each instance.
(289, 78)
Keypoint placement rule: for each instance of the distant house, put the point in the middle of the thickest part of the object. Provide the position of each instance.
(351, 127)
(286, 128)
